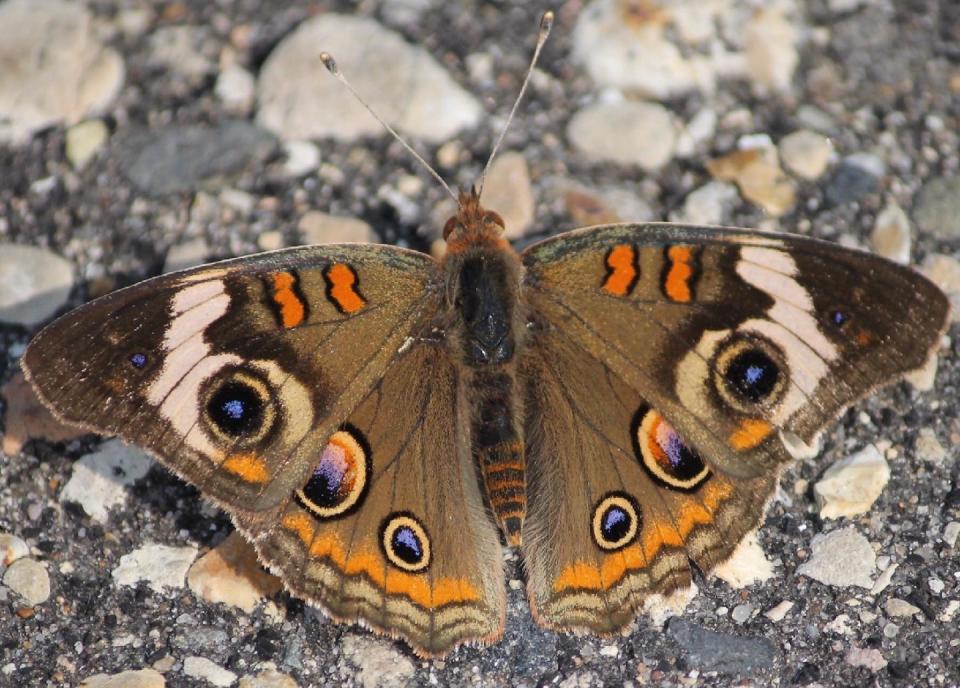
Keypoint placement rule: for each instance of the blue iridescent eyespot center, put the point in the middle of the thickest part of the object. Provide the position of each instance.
(615, 523)
(405, 542)
(839, 318)
(753, 375)
(236, 409)
(138, 360)
(406, 545)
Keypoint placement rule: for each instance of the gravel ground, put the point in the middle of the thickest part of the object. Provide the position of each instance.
(180, 167)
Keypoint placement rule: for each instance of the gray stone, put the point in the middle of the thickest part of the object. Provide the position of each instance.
(320, 228)
(712, 651)
(742, 613)
(851, 485)
(182, 158)
(407, 87)
(141, 678)
(99, 480)
(34, 284)
(55, 69)
(841, 558)
(850, 182)
(628, 133)
(379, 663)
(891, 234)
(11, 549)
(160, 566)
(937, 207)
(268, 678)
(186, 254)
(202, 668)
(928, 447)
(806, 153)
(897, 607)
(508, 191)
(29, 579)
(867, 658)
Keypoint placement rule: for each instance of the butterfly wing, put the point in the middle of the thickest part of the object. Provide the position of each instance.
(233, 374)
(391, 529)
(665, 366)
(293, 389)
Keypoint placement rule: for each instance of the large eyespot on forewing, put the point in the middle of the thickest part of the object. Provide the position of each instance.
(749, 373)
(239, 407)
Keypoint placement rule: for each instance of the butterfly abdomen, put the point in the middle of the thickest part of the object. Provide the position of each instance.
(498, 447)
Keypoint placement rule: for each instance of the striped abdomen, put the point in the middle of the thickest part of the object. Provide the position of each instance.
(498, 447)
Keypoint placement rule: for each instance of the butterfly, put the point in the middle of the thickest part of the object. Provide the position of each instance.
(617, 402)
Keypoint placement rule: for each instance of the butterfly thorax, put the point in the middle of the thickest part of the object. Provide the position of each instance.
(482, 274)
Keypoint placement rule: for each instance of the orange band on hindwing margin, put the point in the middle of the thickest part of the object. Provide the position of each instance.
(342, 289)
(622, 271)
(680, 273)
(367, 563)
(292, 306)
(581, 575)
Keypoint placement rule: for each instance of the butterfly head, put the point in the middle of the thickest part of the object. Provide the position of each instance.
(473, 225)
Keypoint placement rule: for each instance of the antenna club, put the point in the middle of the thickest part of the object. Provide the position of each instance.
(330, 63)
(546, 23)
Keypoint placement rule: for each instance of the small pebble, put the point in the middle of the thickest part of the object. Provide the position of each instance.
(268, 678)
(761, 180)
(950, 533)
(160, 566)
(741, 613)
(806, 153)
(851, 485)
(508, 191)
(891, 234)
(203, 668)
(231, 574)
(854, 178)
(378, 662)
(99, 479)
(897, 607)
(84, 141)
(11, 549)
(403, 83)
(320, 228)
(34, 284)
(302, 157)
(29, 579)
(187, 254)
(140, 678)
(55, 67)
(867, 658)
(627, 133)
(778, 612)
(936, 585)
(936, 208)
(708, 205)
(236, 88)
(928, 447)
(841, 558)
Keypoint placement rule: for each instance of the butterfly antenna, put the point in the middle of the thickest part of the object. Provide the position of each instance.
(546, 23)
(332, 67)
